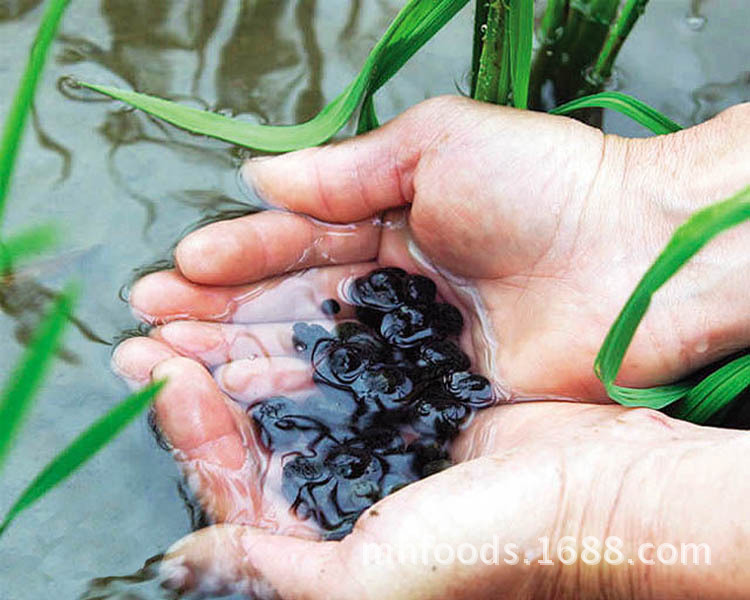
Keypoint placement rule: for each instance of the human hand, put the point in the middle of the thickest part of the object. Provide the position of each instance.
(525, 471)
(193, 416)
(550, 221)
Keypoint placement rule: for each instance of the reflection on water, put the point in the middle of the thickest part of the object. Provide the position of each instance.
(12, 9)
(712, 98)
(129, 587)
(129, 186)
(25, 300)
(248, 79)
(48, 143)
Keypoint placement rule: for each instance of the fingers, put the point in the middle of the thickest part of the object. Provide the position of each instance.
(222, 559)
(134, 359)
(254, 247)
(211, 441)
(341, 183)
(167, 296)
(214, 344)
(398, 547)
(251, 380)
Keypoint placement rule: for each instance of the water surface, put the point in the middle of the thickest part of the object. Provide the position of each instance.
(123, 188)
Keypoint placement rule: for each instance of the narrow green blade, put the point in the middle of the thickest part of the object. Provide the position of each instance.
(414, 25)
(84, 447)
(27, 244)
(716, 391)
(689, 238)
(640, 112)
(24, 381)
(521, 40)
(19, 110)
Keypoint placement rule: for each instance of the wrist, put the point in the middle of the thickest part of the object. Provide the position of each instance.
(670, 178)
(691, 497)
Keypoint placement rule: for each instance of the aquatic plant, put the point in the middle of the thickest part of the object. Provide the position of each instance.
(25, 380)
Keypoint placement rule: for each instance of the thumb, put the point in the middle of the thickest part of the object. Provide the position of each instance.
(358, 178)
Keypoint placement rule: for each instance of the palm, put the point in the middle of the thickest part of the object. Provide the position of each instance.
(515, 245)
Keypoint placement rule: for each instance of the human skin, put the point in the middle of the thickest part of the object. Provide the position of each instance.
(552, 223)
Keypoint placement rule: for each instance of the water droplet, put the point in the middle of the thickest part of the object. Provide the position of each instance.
(695, 22)
(701, 347)
(483, 28)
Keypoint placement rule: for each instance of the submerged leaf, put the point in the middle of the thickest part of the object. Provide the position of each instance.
(84, 447)
(640, 112)
(414, 25)
(27, 244)
(713, 393)
(24, 381)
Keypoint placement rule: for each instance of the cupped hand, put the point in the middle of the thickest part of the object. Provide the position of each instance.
(526, 223)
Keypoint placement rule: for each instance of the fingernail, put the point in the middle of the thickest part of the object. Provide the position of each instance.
(249, 184)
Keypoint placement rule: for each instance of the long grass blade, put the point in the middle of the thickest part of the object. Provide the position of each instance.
(521, 19)
(83, 448)
(716, 391)
(24, 381)
(414, 25)
(689, 238)
(19, 110)
(627, 105)
(27, 244)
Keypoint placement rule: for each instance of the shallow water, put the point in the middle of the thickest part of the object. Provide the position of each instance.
(124, 188)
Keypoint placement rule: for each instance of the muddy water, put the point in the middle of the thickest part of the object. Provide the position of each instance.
(123, 188)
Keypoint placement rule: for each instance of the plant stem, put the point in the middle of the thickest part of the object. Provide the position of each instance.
(494, 63)
(481, 11)
(19, 111)
(618, 33)
(553, 20)
(567, 55)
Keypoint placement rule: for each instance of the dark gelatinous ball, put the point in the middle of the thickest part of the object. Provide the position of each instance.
(438, 355)
(282, 427)
(388, 387)
(470, 388)
(446, 319)
(407, 326)
(420, 290)
(382, 289)
(440, 416)
(337, 363)
(330, 307)
(394, 389)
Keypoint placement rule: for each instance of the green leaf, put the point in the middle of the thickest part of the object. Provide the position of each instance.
(716, 391)
(521, 39)
(368, 120)
(689, 238)
(19, 110)
(24, 381)
(27, 244)
(84, 447)
(640, 112)
(414, 25)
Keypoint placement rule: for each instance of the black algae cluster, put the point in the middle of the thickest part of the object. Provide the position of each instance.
(394, 390)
